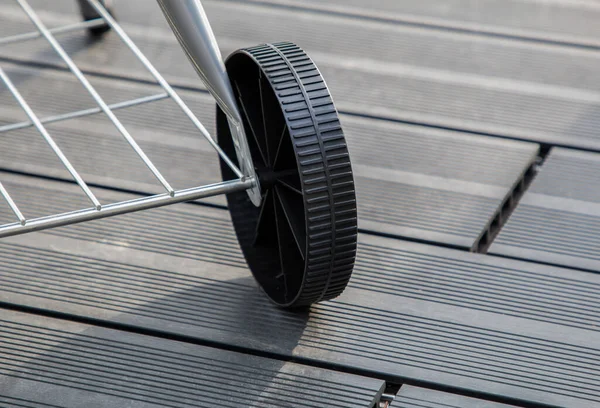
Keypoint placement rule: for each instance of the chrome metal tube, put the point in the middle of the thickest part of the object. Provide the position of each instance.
(12, 205)
(97, 22)
(190, 25)
(85, 112)
(109, 210)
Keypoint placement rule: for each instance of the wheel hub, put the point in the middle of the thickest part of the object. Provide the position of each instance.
(268, 177)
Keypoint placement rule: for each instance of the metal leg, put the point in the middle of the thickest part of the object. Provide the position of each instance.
(190, 25)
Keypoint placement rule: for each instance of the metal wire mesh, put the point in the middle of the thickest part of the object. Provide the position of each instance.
(99, 210)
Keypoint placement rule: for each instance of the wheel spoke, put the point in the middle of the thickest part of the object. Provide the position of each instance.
(286, 155)
(262, 109)
(296, 223)
(265, 217)
(289, 186)
(243, 105)
(278, 222)
(279, 145)
(275, 125)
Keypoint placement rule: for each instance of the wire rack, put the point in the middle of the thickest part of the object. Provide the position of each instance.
(98, 209)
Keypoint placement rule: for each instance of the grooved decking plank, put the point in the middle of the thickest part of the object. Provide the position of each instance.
(47, 362)
(558, 219)
(505, 87)
(412, 312)
(566, 22)
(412, 181)
(411, 397)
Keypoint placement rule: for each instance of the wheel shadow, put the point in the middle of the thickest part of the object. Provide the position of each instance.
(102, 367)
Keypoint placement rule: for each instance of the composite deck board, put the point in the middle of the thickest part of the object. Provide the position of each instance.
(412, 181)
(510, 88)
(568, 22)
(412, 312)
(415, 397)
(440, 318)
(46, 362)
(558, 219)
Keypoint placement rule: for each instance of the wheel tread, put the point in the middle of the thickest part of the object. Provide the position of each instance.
(324, 167)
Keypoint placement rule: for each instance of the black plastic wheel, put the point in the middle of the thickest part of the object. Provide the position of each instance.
(300, 244)
(89, 13)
